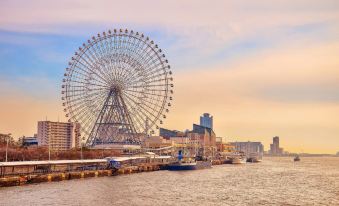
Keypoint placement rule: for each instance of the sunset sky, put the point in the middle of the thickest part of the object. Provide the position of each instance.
(261, 68)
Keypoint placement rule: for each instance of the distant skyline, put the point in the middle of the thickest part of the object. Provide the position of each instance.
(261, 68)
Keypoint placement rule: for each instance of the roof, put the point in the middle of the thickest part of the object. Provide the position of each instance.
(52, 162)
(201, 129)
(60, 162)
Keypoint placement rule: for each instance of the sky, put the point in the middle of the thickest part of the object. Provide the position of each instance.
(261, 68)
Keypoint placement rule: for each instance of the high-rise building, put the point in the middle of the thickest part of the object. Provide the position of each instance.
(275, 147)
(206, 120)
(58, 135)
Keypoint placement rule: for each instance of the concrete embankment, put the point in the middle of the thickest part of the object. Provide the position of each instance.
(16, 180)
(54, 177)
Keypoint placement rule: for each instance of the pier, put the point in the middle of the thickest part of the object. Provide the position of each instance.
(26, 172)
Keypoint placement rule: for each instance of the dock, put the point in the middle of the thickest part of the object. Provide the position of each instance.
(27, 172)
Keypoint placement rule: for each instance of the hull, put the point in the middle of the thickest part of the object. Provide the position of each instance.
(238, 160)
(227, 161)
(253, 160)
(190, 166)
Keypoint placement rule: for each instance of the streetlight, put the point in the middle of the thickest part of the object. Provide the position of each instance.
(7, 145)
(81, 146)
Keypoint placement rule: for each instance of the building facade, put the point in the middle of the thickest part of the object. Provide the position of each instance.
(166, 133)
(156, 142)
(275, 148)
(249, 148)
(206, 120)
(58, 135)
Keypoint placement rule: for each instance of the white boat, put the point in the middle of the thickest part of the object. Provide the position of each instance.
(238, 160)
(254, 157)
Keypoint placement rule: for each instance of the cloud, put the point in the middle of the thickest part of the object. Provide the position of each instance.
(262, 68)
(277, 92)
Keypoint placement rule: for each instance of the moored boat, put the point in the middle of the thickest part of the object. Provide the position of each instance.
(253, 159)
(196, 165)
(239, 160)
(296, 158)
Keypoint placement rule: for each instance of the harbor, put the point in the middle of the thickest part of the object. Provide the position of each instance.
(226, 184)
(32, 172)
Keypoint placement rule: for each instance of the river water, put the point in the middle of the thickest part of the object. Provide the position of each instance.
(275, 181)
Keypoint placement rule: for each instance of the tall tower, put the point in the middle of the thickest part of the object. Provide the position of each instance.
(275, 147)
(206, 120)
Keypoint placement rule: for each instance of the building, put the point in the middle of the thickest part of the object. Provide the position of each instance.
(28, 141)
(58, 135)
(156, 142)
(207, 135)
(199, 138)
(275, 148)
(206, 120)
(249, 148)
(166, 133)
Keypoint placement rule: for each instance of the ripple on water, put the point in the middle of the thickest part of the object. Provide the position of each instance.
(275, 181)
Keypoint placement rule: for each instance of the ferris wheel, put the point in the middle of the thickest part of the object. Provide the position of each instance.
(118, 86)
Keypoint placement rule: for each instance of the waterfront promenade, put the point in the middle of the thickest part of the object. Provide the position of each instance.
(275, 181)
(26, 172)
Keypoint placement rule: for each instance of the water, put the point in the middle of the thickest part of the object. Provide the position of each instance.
(275, 181)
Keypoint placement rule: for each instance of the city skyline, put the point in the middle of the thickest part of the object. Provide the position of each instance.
(261, 69)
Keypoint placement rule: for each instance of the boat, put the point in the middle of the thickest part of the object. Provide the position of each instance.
(196, 165)
(253, 159)
(239, 160)
(296, 158)
(227, 160)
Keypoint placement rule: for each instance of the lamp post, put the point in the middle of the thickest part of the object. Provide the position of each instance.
(81, 147)
(7, 146)
(49, 148)
(102, 144)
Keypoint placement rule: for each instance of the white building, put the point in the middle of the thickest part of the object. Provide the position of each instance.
(249, 148)
(58, 135)
(206, 120)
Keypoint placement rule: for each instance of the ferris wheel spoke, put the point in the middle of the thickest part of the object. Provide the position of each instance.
(88, 76)
(146, 101)
(150, 85)
(103, 52)
(85, 83)
(72, 98)
(92, 66)
(83, 112)
(93, 54)
(139, 114)
(144, 107)
(134, 75)
(146, 93)
(137, 117)
(76, 81)
(92, 72)
(145, 73)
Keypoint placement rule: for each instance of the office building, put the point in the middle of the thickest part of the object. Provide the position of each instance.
(206, 120)
(275, 148)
